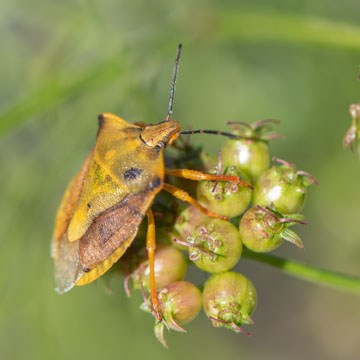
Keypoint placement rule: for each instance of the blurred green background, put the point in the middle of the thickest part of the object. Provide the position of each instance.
(64, 62)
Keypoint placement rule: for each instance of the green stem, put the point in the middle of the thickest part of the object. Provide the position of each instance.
(308, 273)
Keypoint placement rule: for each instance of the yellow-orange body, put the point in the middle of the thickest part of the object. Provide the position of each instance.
(105, 203)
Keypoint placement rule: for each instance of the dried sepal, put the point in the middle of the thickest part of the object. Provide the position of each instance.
(180, 302)
(354, 131)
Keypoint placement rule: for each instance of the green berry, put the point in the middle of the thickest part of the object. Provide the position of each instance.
(225, 198)
(250, 153)
(283, 187)
(229, 299)
(263, 230)
(185, 224)
(215, 246)
(180, 303)
(170, 266)
(250, 156)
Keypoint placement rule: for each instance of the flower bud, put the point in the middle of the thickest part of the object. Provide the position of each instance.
(283, 187)
(229, 299)
(215, 246)
(263, 230)
(224, 197)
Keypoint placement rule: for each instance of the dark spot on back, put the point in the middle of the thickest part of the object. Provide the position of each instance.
(89, 205)
(153, 184)
(86, 269)
(132, 173)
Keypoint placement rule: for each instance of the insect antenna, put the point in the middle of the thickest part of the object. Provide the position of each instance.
(171, 102)
(173, 81)
(213, 132)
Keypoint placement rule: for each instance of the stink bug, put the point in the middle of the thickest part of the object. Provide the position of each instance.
(105, 203)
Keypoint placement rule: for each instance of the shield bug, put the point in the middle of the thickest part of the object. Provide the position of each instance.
(105, 203)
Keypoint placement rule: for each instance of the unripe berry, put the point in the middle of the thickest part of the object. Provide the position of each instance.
(229, 299)
(263, 230)
(185, 224)
(170, 266)
(250, 156)
(215, 246)
(180, 302)
(225, 198)
(284, 187)
(250, 153)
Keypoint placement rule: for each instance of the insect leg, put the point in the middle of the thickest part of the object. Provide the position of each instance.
(150, 247)
(184, 196)
(198, 176)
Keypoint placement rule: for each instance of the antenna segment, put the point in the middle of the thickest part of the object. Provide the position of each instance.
(173, 81)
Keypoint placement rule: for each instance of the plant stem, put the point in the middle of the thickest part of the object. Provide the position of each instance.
(309, 273)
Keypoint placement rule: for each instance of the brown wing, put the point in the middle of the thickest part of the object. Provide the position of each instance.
(82, 261)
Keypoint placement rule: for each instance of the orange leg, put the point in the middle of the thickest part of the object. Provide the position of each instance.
(150, 247)
(184, 196)
(198, 176)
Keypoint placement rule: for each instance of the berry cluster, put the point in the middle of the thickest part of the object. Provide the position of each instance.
(258, 217)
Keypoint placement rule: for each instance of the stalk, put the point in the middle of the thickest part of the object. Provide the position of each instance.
(309, 273)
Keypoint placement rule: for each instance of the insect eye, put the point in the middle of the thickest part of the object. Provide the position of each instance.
(100, 119)
(160, 145)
